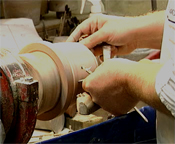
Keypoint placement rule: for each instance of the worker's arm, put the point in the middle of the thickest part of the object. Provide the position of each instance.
(154, 84)
(117, 85)
(124, 33)
(149, 30)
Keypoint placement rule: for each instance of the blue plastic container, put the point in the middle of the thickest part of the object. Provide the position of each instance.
(129, 128)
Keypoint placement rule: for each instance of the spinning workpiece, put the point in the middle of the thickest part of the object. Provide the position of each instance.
(56, 68)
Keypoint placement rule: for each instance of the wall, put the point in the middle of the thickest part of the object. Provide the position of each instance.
(127, 7)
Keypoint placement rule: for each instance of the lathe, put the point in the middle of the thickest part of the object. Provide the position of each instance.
(40, 82)
(43, 80)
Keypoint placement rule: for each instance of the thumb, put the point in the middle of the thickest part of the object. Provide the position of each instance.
(94, 39)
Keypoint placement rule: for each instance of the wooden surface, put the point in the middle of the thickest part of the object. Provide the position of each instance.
(56, 125)
(82, 121)
(17, 33)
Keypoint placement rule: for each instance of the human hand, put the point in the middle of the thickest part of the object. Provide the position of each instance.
(118, 84)
(108, 86)
(116, 31)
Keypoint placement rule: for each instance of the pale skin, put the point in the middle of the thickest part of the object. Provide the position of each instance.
(117, 85)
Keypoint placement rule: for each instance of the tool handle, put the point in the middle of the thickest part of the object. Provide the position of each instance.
(106, 52)
(85, 105)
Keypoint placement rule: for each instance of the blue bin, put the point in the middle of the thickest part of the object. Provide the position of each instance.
(129, 128)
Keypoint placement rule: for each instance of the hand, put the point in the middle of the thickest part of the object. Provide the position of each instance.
(116, 31)
(118, 84)
(108, 86)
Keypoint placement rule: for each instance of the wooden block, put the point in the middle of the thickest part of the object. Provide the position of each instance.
(82, 121)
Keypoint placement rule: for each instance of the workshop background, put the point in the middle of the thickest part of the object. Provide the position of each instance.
(48, 10)
(24, 22)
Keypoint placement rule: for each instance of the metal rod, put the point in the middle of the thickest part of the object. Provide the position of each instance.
(141, 114)
(86, 69)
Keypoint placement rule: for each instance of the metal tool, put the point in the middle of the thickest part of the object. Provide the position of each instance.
(106, 52)
(142, 115)
(86, 69)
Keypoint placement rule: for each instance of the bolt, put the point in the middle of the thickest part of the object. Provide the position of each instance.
(28, 79)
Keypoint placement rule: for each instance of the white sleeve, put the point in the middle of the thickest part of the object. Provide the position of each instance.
(165, 86)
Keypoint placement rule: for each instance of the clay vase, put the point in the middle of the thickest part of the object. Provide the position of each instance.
(23, 9)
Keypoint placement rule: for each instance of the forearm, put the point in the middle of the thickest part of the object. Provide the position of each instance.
(141, 85)
(149, 30)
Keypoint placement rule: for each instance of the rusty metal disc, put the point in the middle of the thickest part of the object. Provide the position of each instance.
(22, 113)
(7, 102)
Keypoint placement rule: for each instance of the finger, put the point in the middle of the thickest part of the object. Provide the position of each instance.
(114, 51)
(120, 50)
(74, 37)
(85, 27)
(86, 87)
(97, 50)
(85, 84)
(88, 82)
(94, 39)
